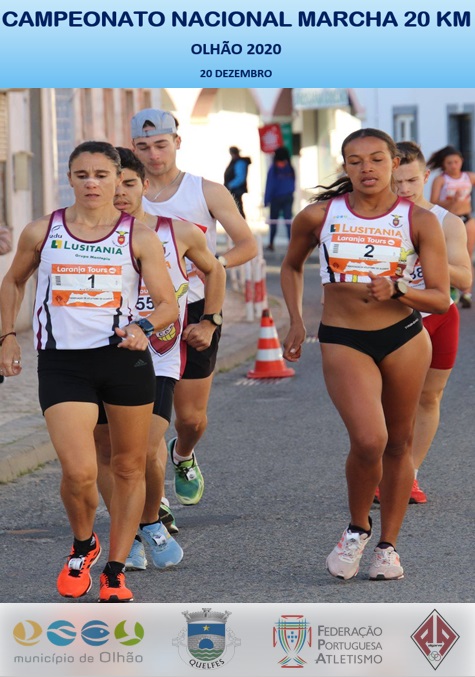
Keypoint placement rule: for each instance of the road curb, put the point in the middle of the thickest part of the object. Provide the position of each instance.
(24, 456)
(238, 345)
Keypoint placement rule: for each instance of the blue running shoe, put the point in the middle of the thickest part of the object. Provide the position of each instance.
(136, 560)
(189, 482)
(164, 549)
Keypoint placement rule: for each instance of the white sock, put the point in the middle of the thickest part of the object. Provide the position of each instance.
(178, 459)
(416, 470)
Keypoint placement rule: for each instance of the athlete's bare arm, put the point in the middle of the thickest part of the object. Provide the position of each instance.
(460, 268)
(305, 232)
(222, 206)
(148, 251)
(24, 264)
(192, 244)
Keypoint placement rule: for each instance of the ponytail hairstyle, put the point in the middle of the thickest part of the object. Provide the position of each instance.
(437, 159)
(343, 184)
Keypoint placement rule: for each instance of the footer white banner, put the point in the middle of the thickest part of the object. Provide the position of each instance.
(237, 640)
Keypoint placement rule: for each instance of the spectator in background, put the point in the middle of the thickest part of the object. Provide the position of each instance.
(279, 193)
(235, 176)
(452, 190)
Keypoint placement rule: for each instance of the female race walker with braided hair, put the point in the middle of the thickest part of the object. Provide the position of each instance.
(371, 334)
(452, 190)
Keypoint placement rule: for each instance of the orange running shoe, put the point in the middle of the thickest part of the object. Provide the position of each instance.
(113, 589)
(74, 579)
(417, 495)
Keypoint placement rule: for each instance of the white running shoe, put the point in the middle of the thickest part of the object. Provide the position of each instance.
(385, 565)
(344, 560)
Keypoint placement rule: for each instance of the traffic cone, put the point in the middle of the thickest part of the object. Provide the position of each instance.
(269, 360)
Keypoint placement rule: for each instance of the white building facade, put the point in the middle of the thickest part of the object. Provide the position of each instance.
(434, 118)
(40, 127)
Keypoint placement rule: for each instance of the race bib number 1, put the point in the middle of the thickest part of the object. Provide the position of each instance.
(83, 286)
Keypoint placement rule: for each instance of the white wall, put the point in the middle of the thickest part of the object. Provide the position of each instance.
(431, 112)
(19, 202)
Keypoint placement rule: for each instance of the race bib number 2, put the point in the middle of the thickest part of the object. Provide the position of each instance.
(85, 286)
(357, 255)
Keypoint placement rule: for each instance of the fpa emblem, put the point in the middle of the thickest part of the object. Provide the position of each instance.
(292, 632)
(435, 638)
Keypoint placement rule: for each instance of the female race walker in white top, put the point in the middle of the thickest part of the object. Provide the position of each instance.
(370, 336)
(411, 177)
(453, 190)
(90, 258)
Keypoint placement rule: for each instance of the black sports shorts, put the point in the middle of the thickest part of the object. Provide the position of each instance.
(163, 405)
(110, 374)
(200, 364)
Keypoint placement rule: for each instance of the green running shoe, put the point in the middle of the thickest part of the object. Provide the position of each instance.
(189, 482)
(167, 519)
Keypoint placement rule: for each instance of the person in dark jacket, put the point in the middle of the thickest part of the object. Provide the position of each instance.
(279, 192)
(235, 176)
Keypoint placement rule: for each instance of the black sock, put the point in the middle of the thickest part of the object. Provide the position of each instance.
(385, 544)
(83, 547)
(355, 528)
(114, 568)
(137, 538)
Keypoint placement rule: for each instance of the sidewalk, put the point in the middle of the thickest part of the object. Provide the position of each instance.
(24, 441)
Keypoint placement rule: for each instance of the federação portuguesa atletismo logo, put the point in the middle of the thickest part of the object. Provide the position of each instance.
(435, 638)
(292, 632)
(206, 642)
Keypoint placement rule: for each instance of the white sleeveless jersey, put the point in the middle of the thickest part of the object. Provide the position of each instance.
(351, 246)
(462, 186)
(85, 289)
(166, 347)
(188, 204)
(417, 277)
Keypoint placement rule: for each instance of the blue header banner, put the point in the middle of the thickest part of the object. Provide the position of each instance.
(357, 43)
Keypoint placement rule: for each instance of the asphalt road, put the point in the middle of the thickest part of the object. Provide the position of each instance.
(275, 501)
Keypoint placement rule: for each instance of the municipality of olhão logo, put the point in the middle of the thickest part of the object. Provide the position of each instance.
(63, 633)
(206, 642)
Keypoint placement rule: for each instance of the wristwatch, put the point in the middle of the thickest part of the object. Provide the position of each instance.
(222, 260)
(401, 288)
(214, 318)
(146, 326)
